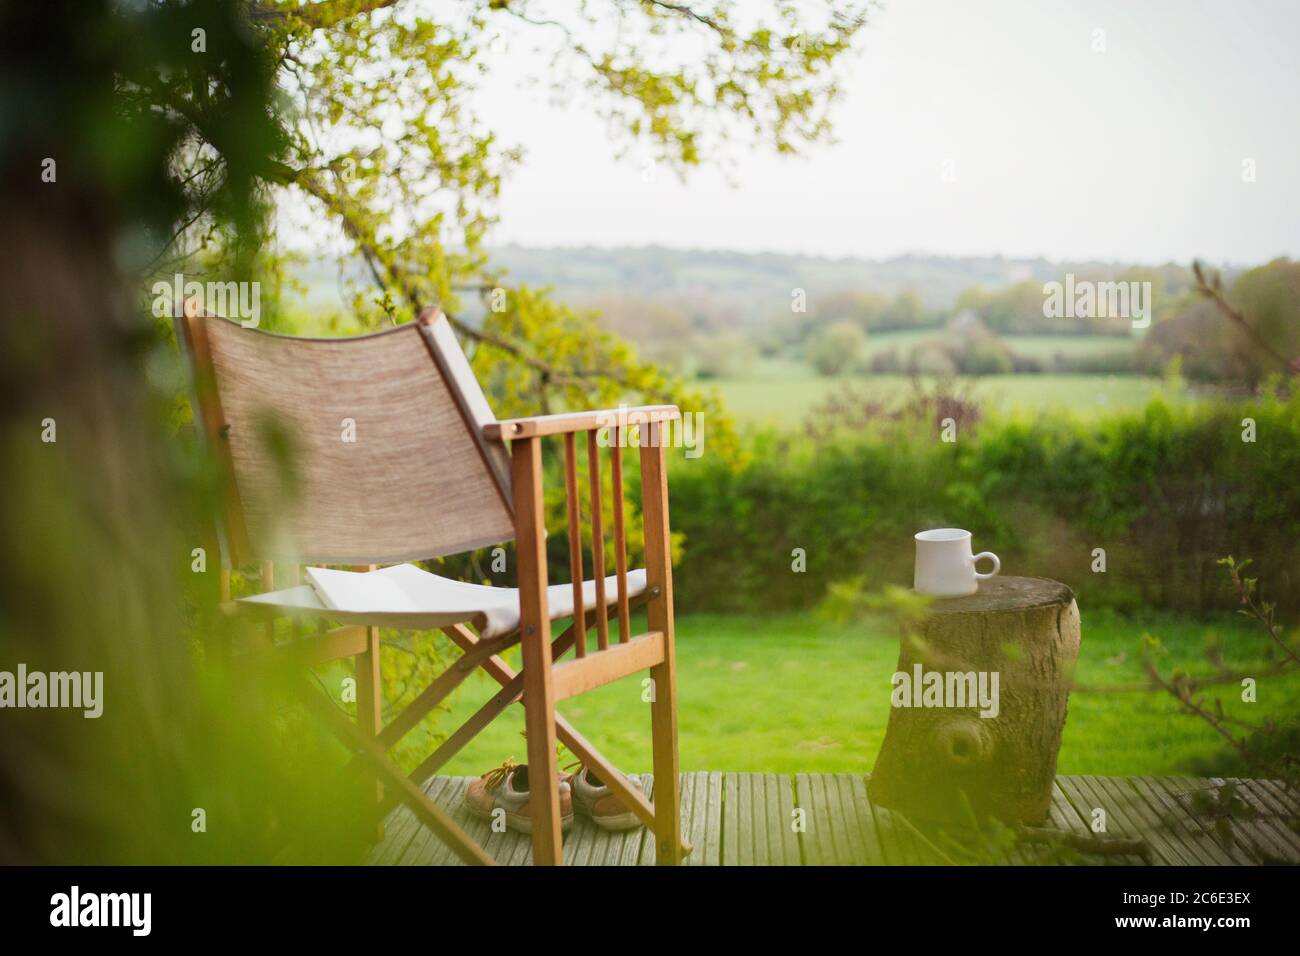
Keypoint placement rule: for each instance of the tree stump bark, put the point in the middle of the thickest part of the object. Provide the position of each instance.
(941, 760)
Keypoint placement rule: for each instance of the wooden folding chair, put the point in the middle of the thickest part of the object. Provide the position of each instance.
(395, 456)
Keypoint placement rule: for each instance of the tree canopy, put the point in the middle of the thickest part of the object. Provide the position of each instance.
(374, 125)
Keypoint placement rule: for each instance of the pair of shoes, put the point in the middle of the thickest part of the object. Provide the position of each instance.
(594, 799)
(506, 788)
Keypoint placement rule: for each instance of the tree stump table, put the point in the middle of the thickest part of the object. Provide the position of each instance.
(941, 759)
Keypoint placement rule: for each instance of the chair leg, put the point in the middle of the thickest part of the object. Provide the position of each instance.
(543, 767)
(370, 713)
(667, 788)
(535, 641)
(426, 811)
(659, 617)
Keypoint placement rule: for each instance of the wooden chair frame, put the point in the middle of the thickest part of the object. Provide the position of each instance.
(544, 679)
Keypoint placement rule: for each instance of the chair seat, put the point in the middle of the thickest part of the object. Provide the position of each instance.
(428, 601)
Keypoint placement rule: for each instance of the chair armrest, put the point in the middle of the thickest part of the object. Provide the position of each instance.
(566, 422)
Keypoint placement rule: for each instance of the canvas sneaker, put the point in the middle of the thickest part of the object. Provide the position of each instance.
(594, 799)
(506, 788)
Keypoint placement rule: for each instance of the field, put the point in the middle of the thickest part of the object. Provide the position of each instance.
(1034, 346)
(792, 693)
(784, 400)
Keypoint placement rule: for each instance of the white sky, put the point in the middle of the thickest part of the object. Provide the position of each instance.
(1132, 154)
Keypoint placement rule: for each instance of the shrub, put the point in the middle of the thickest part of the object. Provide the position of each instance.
(1165, 491)
(1110, 362)
(836, 348)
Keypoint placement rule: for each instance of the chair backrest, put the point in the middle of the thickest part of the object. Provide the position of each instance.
(365, 450)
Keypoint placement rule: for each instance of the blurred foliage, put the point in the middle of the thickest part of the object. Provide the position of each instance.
(382, 137)
(1209, 347)
(177, 130)
(1263, 748)
(1018, 308)
(380, 134)
(196, 756)
(835, 349)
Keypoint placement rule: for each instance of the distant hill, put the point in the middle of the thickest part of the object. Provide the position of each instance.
(712, 312)
(753, 286)
(756, 285)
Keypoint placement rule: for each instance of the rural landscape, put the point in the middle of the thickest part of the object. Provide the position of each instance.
(1074, 435)
(708, 433)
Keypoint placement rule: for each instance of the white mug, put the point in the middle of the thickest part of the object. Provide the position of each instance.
(945, 566)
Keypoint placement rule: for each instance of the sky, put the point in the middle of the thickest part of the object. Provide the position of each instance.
(970, 128)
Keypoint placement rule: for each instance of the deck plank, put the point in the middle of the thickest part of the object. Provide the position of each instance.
(861, 818)
(731, 819)
(839, 787)
(1289, 799)
(752, 790)
(840, 821)
(624, 847)
(585, 843)
(424, 848)
(639, 846)
(1083, 802)
(783, 839)
(1139, 816)
(1121, 820)
(1166, 801)
(1063, 816)
(400, 828)
(819, 838)
(738, 810)
(703, 825)
(746, 819)
(1278, 842)
(902, 843)
(889, 836)
(432, 851)
(1184, 790)
(874, 853)
(1269, 796)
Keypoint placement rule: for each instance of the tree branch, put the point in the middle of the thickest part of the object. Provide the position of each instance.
(318, 16)
(386, 275)
(1213, 290)
(683, 9)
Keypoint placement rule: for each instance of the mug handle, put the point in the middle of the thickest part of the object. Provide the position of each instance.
(997, 565)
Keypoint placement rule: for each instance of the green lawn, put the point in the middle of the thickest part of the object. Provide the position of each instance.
(1034, 346)
(1075, 346)
(784, 398)
(786, 693)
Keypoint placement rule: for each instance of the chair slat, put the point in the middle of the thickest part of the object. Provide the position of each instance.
(575, 543)
(620, 538)
(598, 543)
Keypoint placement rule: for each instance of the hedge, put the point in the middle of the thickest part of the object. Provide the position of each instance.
(1165, 491)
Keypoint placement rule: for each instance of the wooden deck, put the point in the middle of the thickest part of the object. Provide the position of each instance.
(746, 819)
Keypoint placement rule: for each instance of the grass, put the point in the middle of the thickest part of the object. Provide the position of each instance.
(1033, 346)
(1075, 346)
(786, 693)
(785, 398)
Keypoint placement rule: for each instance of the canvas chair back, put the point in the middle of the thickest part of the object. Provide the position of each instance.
(350, 451)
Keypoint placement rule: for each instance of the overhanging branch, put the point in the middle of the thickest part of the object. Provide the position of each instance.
(317, 16)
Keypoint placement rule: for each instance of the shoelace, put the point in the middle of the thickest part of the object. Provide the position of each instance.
(493, 779)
